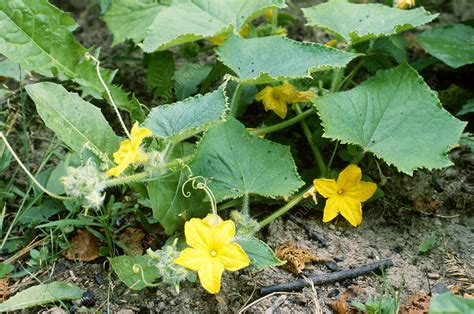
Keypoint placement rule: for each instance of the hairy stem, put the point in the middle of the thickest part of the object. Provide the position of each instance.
(309, 137)
(284, 124)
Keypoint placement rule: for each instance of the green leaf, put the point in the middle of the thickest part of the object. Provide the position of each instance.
(186, 118)
(360, 22)
(188, 77)
(35, 215)
(467, 108)
(11, 70)
(129, 19)
(237, 163)
(190, 20)
(448, 303)
(37, 35)
(75, 121)
(260, 254)
(428, 244)
(253, 61)
(5, 157)
(42, 294)
(123, 267)
(5, 269)
(452, 44)
(395, 116)
(170, 207)
(160, 73)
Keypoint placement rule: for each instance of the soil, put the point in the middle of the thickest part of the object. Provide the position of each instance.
(438, 203)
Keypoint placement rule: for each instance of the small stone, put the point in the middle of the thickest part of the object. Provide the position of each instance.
(433, 276)
(125, 311)
(339, 259)
(333, 293)
(338, 233)
(332, 266)
(332, 227)
(439, 288)
(99, 279)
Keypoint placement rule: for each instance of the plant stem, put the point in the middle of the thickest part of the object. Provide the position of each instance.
(234, 105)
(349, 77)
(292, 203)
(142, 175)
(275, 18)
(245, 204)
(32, 177)
(309, 137)
(336, 79)
(284, 124)
(332, 155)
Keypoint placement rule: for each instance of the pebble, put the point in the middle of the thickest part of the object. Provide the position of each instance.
(332, 266)
(333, 293)
(99, 279)
(125, 311)
(439, 288)
(433, 276)
(332, 227)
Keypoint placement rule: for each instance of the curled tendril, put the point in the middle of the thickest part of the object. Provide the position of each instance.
(199, 183)
(138, 269)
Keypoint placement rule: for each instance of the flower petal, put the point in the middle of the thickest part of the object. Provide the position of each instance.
(362, 191)
(349, 177)
(264, 93)
(192, 258)
(331, 210)
(198, 234)
(351, 209)
(222, 234)
(326, 187)
(233, 257)
(210, 274)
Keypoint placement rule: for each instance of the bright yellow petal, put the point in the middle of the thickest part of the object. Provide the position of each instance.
(233, 257)
(351, 209)
(286, 90)
(218, 39)
(302, 97)
(198, 234)
(192, 258)
(349, 177)
(264, 93)
(210, 274)
(326, 187)
(223, 234)
(331, 210)
(362, 191)
(244, 31)
(279, 107)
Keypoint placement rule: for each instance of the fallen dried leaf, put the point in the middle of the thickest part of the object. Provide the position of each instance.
(340, 306)
(417, 303)
(456, 270)
(83, 247)
(133, 239)
(4, 288)
(296, 258)
(426, 203)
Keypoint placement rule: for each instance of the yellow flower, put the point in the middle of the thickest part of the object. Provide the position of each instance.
(129, 151)
(268, 14)
(278, 98)
(281, 31)
(331, 43)
(403, 4)
(345, 195)
(219, 39)
(211, 251)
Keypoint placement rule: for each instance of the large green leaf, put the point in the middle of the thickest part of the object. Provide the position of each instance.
(170, 207)
(260, 60)
(129, 19)
(185, 118)
(237, 163)
(75, 121)
(395, 116)
(449, 303)
(359, 22)
(260, 254)
(190, 20)
(452, 44)
(123, 267)
(37, 35)
(42, 294)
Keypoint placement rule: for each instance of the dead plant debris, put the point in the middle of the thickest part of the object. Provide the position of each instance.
(83, 247)
(296, 257)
